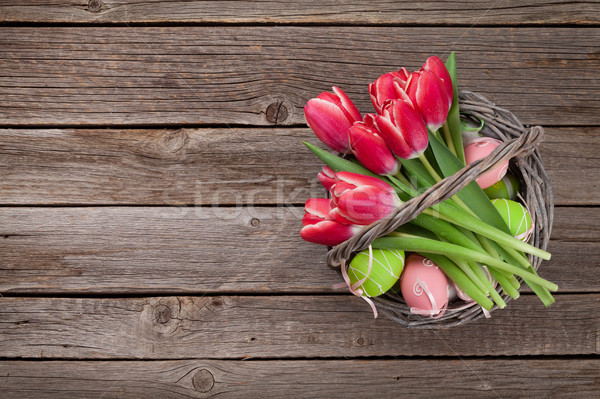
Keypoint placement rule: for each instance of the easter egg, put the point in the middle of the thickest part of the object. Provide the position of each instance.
(424, 286)
(386, 268)
(516, 217)
(506, 188)
(480, 148)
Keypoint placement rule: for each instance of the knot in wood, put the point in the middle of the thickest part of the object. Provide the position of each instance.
(174, 142)
(255, 222)
(277, 112)
(162, 314)
(95, 5)
(203, 380)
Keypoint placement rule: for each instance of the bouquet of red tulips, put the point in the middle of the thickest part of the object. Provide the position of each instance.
(462, 248)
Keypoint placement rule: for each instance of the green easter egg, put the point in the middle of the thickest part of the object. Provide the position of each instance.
(506, 188)
(516, 217)
(385, 271)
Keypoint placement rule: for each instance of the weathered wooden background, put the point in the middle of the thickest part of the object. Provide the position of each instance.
(152, 182)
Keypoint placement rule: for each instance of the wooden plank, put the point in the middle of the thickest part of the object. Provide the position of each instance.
(281, 327)
(358, 12)
(212, 250)
(158, 167)
(460, 378)
(217, 166)
(232, 75)
(128, 250)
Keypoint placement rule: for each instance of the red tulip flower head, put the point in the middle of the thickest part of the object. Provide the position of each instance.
(330, 117)
(435, 65)
(428, 93)
(370, 149)
(382, 89)
(319, 228)
(403, 128)
(361, 199)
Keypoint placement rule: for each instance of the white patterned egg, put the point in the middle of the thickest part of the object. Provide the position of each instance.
(386, 267)
(424, 286)
(516, 217)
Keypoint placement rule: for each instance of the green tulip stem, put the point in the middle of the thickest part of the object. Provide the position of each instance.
(464, 266)
(448, 138)
(478, 270)
(452, 215)
(490, 250)
(459, 278)
(429, 168)
(506, 285)
(412, 243)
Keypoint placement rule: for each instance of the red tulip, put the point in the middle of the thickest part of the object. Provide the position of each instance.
(428, 94)
(362, 199)
(435, 65)
(330, 116)
(319, 229)
(403, 128)
(327, 177)
(382, 89)
(370, 149)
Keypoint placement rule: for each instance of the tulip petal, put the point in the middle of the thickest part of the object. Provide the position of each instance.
(334, 214)
(318, 206)
(311, 219)
(429, 95)
(328, 232)
(347, 104)
(410, 123)
(327, 177)
(329, 123)
(371, 150)
(367, 204)
(435, 65)
(340, 187)
(357, 180)
(393, 137)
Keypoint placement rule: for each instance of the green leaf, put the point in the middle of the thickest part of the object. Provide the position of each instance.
(416, 168)
(338, 164)
(453, 119)
(472, 195)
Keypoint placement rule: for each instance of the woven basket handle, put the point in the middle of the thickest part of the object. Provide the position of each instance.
(439, 192)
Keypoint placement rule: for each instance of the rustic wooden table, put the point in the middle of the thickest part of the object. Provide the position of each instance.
(152, 182)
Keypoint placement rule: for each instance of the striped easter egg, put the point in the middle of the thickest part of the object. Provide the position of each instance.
(385, 270)
(516, 217)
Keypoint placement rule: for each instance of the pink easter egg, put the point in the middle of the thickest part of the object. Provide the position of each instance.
(480, 148)
(424, 286)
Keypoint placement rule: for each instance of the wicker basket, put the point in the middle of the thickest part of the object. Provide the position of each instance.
(520, 145)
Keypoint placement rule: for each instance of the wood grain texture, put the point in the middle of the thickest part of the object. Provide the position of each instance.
(214, 250)
(280, 327)
(277, 11)
(461, 378)
(240, 166)
(231, 75)
(158, 167)
(126, 250)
